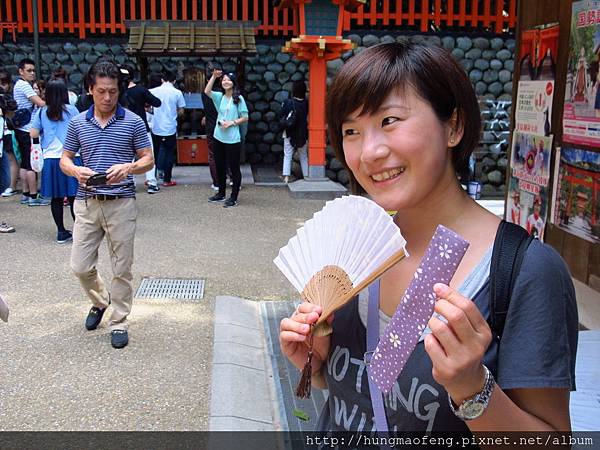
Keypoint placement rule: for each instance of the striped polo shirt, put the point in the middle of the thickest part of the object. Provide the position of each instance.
(101, 148)
(22, 92)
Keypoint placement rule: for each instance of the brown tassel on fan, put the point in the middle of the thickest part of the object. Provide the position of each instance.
(303, 389)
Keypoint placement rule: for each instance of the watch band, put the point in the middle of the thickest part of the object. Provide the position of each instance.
(474, 407)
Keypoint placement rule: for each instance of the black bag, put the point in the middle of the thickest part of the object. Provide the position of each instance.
(21, 118)
(510, 246)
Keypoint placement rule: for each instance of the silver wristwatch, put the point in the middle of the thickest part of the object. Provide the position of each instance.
(474, 407)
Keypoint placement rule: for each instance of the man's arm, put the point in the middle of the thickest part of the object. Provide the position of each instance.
(152, 99)
(180, 104)
(144, 157)
(69, 168)
(37, 101)
(143, 163)
(70, 148)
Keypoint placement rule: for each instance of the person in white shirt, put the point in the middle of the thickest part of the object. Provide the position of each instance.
(164, 125)
(27, 98)
(515, 207)
(535, 222)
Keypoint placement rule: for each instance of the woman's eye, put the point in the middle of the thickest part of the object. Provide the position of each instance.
(349, 132)
(388, 121)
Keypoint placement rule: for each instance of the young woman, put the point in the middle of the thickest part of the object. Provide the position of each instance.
(62, 74)
(296, 136)
(404, 119)
(51, 123)
(232, 112)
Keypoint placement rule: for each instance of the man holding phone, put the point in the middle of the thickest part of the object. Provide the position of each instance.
(108, 138)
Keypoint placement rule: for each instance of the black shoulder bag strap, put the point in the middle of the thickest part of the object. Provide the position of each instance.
(507, 255)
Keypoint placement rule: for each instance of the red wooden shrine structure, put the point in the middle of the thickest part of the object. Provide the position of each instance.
(84, 17)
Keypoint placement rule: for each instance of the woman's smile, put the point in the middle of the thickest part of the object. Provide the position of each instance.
(388, 174)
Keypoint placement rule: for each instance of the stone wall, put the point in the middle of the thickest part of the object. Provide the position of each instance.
(269, 75)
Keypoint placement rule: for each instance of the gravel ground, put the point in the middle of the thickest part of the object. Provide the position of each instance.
(55, 375)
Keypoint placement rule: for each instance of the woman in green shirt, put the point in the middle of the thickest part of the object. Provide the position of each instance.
(232, 112)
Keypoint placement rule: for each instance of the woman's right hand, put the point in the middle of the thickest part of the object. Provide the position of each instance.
(294, 333)
(217, 73)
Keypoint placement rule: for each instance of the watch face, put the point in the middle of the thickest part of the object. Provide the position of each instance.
(472, 409)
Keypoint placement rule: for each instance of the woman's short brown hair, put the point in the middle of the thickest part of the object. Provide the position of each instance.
(368, 78)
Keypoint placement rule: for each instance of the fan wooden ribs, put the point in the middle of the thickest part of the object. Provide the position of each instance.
(331, 288)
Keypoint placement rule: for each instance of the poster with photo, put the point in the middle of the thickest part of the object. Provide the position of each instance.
(534, 107)
(528, 200)
(577, 202)
(581, 118)
(537, 53)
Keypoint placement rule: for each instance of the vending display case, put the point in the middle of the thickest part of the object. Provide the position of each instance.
(192, 147)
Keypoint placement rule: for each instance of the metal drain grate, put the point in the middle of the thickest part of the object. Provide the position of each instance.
(171, 288)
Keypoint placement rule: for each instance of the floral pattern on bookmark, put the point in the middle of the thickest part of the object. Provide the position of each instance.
(441, 259)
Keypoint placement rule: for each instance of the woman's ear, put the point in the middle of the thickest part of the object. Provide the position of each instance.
(456, 129)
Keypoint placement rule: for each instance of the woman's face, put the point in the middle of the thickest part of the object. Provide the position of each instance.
(5, 86)
(226, 82)
(400, 153)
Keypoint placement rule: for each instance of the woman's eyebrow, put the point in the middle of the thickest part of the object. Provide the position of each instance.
(388, 106)
(381, 109)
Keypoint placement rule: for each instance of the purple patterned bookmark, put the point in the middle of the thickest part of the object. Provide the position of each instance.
(441, 259)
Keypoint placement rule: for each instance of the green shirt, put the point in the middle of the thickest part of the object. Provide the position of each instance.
(227, 110)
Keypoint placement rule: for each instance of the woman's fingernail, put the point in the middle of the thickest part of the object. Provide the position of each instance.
(305, 328)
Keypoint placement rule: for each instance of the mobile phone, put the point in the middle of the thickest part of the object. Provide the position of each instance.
(98, 179)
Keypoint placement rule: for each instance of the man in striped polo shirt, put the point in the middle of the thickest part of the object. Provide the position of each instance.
(28, 99)
(108, 137)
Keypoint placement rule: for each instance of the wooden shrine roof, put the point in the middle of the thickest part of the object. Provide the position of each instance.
(191, 38)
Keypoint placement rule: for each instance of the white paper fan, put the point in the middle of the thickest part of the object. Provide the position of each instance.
(340, 251)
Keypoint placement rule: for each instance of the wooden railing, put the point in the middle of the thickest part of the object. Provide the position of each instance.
(427, 15)
(85, 17)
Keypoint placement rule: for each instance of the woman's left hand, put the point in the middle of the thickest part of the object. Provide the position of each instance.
(227, 123)
(456, 349)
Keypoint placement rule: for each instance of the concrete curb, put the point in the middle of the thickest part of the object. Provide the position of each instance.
(242, 393)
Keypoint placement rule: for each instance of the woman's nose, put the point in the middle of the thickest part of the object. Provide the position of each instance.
(373, 148)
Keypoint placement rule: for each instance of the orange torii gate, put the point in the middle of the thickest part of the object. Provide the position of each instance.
(317, 49)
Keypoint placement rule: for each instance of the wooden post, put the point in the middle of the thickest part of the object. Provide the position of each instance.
(316, 118)
(317, 50)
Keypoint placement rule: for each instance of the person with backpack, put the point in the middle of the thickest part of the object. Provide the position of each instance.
(294, 121)
(403, 118)
(232, 113)
(27, 100)
(49, 128)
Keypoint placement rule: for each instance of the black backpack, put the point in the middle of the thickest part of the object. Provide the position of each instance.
(21, 118)
(510, 246)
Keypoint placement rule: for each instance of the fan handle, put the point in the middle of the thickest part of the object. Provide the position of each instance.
(322, 328)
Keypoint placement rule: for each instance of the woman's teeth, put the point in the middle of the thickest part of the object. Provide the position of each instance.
(387, 174)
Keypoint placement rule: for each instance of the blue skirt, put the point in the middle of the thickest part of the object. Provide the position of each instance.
(55, 184)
